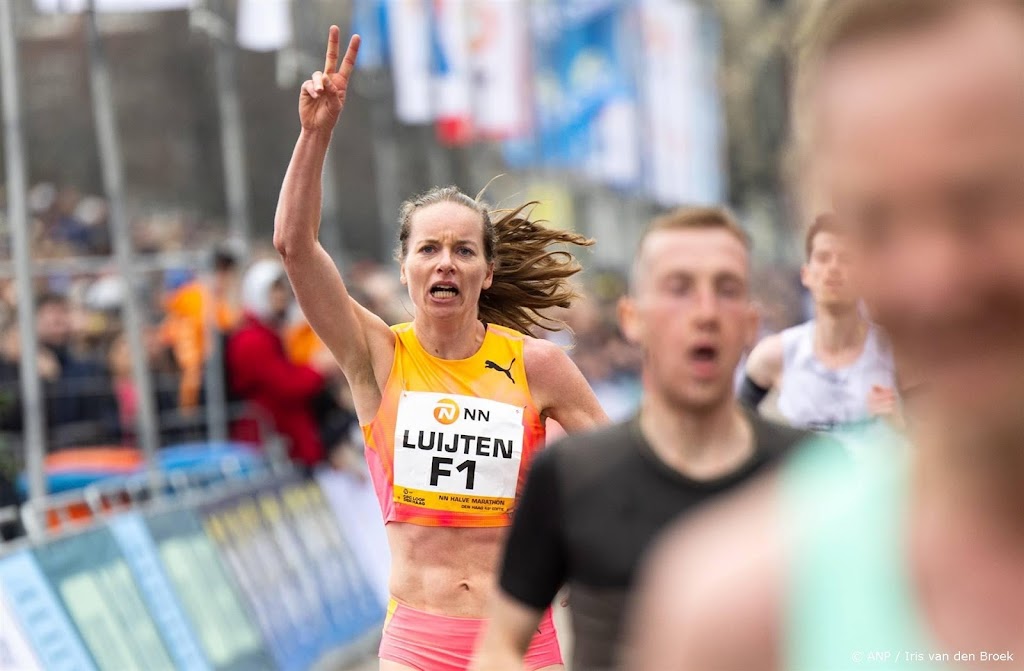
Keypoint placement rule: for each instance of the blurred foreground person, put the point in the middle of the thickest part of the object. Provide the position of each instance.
(453, 404)
(915, 111)
(260, 372)
(834, 372)
(594, 503)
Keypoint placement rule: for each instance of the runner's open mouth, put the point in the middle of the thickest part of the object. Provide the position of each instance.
(704, 353)
(444, 291)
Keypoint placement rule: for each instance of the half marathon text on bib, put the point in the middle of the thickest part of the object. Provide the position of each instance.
(457, 453)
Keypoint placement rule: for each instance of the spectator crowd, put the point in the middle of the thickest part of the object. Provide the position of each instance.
(218, 313)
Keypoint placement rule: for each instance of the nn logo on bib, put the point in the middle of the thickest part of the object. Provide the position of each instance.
(448, 412)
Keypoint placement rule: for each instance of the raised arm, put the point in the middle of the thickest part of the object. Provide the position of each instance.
(352, 333)
(763, 370)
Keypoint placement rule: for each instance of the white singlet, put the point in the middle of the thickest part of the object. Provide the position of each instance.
(812, 396)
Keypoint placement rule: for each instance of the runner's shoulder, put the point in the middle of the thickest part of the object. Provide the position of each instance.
(775, 436)
(542, 357)
(777, 440)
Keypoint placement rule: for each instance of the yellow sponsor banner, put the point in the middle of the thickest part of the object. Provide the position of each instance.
(462, 503)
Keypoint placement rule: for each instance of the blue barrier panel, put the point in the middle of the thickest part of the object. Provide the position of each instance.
(295, 511)
(97, 589)
(354, 508)
(138, 549)
(270, 575)
(46, 625)
(301, 579)
(207, 593)
(16, 652)
(276, 529)
(352, 602)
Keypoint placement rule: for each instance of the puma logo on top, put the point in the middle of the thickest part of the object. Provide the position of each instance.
(507, 371)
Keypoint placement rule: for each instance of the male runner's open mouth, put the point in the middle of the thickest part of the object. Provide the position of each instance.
(704, 359)
(444, 290)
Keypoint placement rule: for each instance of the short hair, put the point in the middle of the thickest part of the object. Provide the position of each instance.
(694, 218)
(224, 258)
(691, 219)
(51, 298)
(824, 223)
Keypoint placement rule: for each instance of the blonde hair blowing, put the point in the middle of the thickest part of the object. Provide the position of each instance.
(529, 276)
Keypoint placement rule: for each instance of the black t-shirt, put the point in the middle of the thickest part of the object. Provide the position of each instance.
(591, 507)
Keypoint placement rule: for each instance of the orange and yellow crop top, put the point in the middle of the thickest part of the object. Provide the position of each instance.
(452, 441)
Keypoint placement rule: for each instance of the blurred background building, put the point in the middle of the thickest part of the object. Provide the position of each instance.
(619, 82)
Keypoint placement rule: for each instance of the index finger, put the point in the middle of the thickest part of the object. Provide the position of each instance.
(332, 50)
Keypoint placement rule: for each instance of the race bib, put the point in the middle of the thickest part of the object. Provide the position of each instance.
(457, 453)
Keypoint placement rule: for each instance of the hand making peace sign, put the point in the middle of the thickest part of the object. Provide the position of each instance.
(323, 96)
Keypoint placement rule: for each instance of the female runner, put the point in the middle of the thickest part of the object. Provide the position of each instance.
(452, 404)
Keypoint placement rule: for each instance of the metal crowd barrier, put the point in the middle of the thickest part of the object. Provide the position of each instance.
(182, 564)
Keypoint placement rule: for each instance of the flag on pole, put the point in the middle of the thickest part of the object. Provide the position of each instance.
(615, 144)
(499, 62)
(370, 22)
(681, 107)
(264, 25)
(450, 71)
(409, 41)
(615, 148)
(579, 68)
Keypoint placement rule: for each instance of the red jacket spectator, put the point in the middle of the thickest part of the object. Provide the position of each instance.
(260, 372)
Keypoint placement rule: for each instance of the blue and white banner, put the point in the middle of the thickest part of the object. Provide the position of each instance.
(208, 596)
(615, 144)
(370, 22)
(500, 63)
(291, 625)
(450, 71)
(579, 69)
(356, 510)
(682, 112)
(139, 551)
(46, 625)
(15, 650)
(99, 593)
(408, 25)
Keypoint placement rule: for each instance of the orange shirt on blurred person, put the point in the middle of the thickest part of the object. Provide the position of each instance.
(184, 330)
(301, 343)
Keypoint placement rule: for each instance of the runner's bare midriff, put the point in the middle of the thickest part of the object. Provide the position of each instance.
(444, 570)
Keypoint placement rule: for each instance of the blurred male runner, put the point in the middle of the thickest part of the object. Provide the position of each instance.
(593, 503)
(833, 372)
